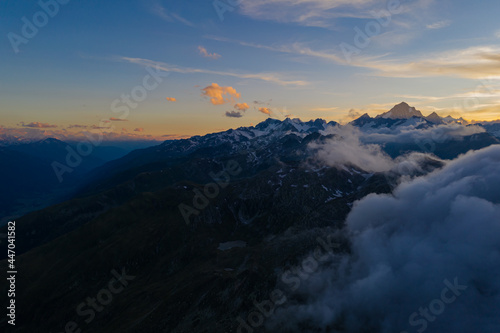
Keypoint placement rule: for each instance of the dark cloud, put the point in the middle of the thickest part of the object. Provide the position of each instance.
(234, 114)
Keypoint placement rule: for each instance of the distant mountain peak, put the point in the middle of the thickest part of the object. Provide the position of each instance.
(450, 120)
(402, 111)
(50, 141)
(434, 118)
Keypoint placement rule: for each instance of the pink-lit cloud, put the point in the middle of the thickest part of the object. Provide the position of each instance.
(203, 51)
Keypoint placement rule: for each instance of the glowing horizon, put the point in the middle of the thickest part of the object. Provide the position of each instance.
(185, 69)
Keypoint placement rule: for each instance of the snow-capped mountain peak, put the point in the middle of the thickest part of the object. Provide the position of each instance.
(266, 131)
(401, 111)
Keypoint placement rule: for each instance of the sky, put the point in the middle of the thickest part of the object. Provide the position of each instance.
(173, 69)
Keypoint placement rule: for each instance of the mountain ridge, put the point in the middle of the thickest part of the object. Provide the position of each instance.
(401, 111)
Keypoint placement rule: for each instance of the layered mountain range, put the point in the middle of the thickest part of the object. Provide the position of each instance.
(206, 225)
(403, 111)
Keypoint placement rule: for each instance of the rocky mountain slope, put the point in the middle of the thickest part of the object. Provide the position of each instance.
(206, 227)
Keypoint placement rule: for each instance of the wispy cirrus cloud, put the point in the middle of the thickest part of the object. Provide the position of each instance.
(305, 12)
(478, 62)
(322, 13)
(485, 93)
(295, 49)
(486, 112)
(335, 55)
(159, 10)
(268, 77)
(394, 37)
(327, 109)
(439, 25)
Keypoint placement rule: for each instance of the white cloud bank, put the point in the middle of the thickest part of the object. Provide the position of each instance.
(444, 226)
(347, 149)
(362, 148)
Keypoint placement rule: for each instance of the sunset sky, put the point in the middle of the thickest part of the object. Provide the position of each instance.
(238, 64)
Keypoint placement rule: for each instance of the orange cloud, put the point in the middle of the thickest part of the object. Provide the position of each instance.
(265, 111)
(204, 52)
(140, 129)
(171, 99)
(36, 124)
(217, 94)
(117, 119)
(241, 106)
